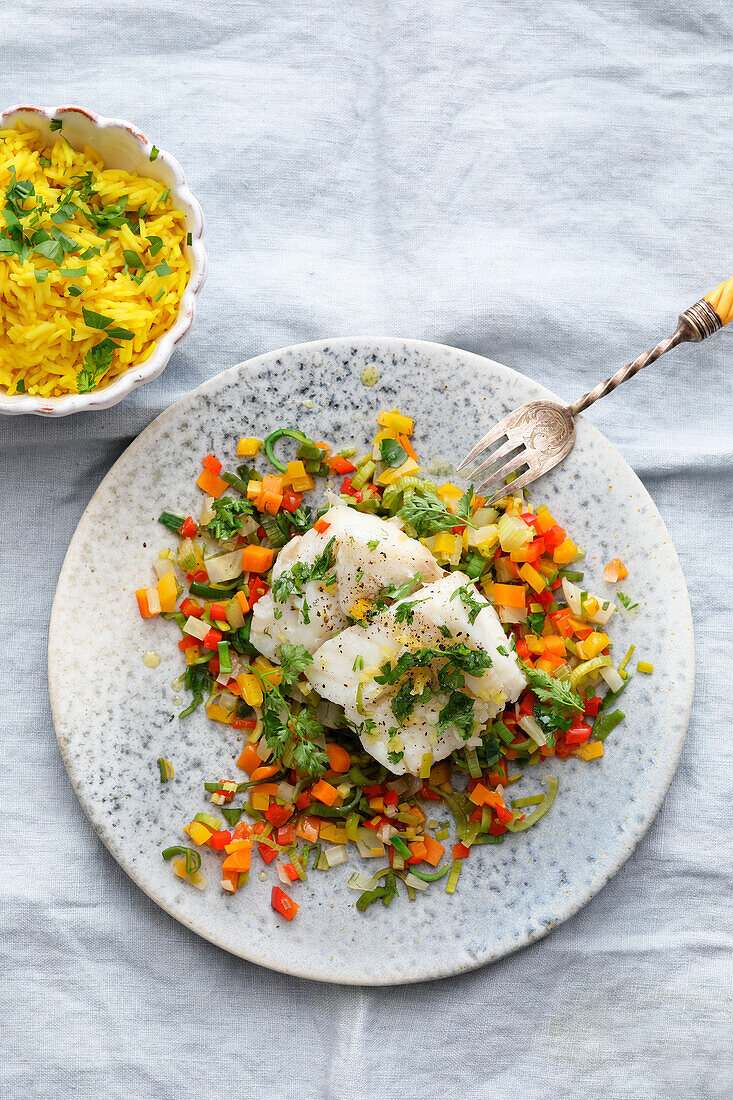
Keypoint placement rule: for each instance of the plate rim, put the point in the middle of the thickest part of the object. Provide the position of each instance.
(569, 908)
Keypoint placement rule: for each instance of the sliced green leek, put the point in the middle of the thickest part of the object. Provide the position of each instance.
(549, 798)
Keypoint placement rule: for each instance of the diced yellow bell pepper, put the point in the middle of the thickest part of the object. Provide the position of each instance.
(198, 832)
(591, 646)
(296, 471)
(588, 751)
(535, 644)
(408, 467)
(270, 673)
(590, 606)
(248, 447)
(259, 800)
(449, 493)
(303, 484)
(545, 567)
(529, 574)
(254, 488)
(395, 420)
(445, 543)
(565, 552)
(335, 833)
(251, 689)
(168, 592)
(192, 654)
(376, 803)
(219, 714)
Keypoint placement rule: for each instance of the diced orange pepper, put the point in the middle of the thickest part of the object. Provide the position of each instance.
(615, 571)
(266, 788)
(418, 849)
(565, 552)
(555, 644)
(404, 442)
(265, 771)
(548, 662)
(324, 792)
(250, 760)
(211, 484)
(243, 602)
(433, 850)
(543, 520)
(257, 559)
(238, 861)
(142, 602)
(307, 828)
(510, 595)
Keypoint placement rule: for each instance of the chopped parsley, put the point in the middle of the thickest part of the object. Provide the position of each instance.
(549, 690)
(95, 365)
(292, 582)
(228, 517)
(154, 153)
(373, 544)
(405, 613)
(428, 514)
(626, 601)
(55, 124)
(474, 607)
(458, 711)
(294, 659)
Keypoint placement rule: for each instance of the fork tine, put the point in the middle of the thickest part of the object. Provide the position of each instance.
(491, 437)
(502, 452)
(508, 468)
(518, 483)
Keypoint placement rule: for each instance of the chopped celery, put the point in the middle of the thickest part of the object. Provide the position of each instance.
(455, 871)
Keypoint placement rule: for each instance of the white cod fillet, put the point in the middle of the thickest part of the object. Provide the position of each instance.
(361, 571)
(334, 676)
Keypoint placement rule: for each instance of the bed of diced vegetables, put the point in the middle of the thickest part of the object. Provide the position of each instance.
(310, 792)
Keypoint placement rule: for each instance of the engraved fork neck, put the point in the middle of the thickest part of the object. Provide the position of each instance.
(694, 324)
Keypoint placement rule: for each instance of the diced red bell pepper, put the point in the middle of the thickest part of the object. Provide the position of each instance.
(213, 464)
(592, 705)
(244, 723)
(373, 791)
(289, 869)
(200, 575)
(544, 598)
(348, 490)
(391, 798)
(529, 519)
(303, 800)
(285, 835)
(321, 526)
(458, 530)
(427, 794)
(212, 638)
(291, 500)
(496, 828)
(504, 814)
(283, 904)
(522, 649)
(341, 465)
(188, 528)
(267, 853)
(578, 733)
(460, 851)
(554, 537)
(219, 840)
(190, 607)
(562, 748)
(556, 583)
(527, 703)
(187, 642)
(476, 815)
(214, 666)
(277, 815)
(257, 589)
(218, 612)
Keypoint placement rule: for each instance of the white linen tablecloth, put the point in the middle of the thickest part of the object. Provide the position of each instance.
(547, 184)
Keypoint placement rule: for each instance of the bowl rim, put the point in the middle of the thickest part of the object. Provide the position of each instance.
(135, 375)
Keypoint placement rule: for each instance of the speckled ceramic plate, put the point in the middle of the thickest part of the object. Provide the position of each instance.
(114, 716)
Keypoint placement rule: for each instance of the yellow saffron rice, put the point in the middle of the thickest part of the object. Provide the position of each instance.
(43, 335)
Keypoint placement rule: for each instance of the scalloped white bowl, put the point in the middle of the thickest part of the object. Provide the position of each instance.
(122, 146)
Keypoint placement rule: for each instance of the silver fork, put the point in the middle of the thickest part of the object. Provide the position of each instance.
(542, 433)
